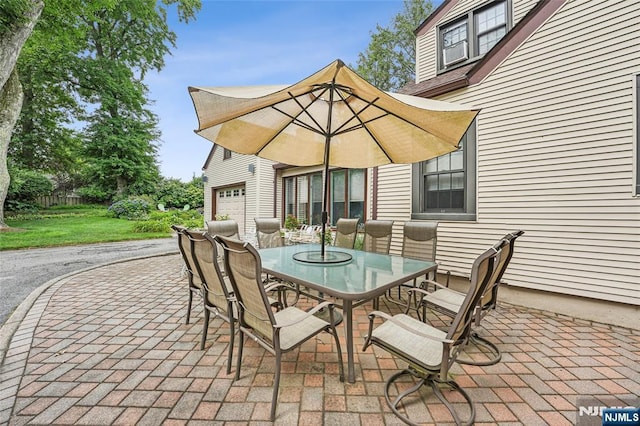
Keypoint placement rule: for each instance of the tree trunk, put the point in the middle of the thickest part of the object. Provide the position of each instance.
(11, 42)
(10, 105)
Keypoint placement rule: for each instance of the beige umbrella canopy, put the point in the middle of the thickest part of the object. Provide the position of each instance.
(332, 118)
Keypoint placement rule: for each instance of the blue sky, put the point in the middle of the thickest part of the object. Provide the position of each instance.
(239, 43)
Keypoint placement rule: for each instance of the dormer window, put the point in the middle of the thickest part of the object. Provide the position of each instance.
(469, 37)
(455, 47)
(491, 25)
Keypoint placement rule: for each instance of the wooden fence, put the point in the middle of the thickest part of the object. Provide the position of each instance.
(57, 200)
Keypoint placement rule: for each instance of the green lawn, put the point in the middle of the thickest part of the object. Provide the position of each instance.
(61, 227)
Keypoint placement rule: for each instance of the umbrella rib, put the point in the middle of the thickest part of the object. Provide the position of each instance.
(295, 120)
(304, 109)
(363, 124)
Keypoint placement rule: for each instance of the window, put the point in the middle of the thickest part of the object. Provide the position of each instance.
(289, 196)
(303, 199)
(303, 195)
(469, 37)
(444, 188)
(226, 154)
(491, 26)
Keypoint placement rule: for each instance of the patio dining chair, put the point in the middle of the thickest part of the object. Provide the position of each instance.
(277, 332)
(448, 302)
(193, 277)
(419, 241)
(377, 236)
(346, 232)
(268, 232)
(377, 239)
(227, 228)
(217, 292)
(431, 352)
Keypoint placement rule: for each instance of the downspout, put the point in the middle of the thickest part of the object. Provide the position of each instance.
(374, 195)
(275, 191)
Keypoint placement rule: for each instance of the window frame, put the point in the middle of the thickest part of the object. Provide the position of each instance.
(309, 181)
(472, 33)
(226, 154)
(418, 193)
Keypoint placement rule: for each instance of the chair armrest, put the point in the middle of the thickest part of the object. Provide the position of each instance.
(307, 314)
(436, 285)
(276, 286)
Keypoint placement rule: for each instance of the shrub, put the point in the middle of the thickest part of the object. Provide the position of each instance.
(94, 194)
(24, 188)
(175, 193)
(291, 222)
(159, 221)
(131, 209)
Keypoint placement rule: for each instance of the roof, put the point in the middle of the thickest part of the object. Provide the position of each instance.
(474, 73)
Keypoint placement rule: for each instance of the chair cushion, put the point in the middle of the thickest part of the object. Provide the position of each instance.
(445, 298)
(297, 333)
(426, 352)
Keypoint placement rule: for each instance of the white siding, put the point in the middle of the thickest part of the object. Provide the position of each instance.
(555, 156)
(394, 199)
(258, 185)
(426, 63)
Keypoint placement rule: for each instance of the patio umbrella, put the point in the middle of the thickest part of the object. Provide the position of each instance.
(331, 118)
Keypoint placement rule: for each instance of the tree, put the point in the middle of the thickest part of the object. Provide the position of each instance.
(389, 61)
(17, 20)
(44, 137)
(86, 63)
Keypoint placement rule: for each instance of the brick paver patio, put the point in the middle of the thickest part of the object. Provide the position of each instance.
(110, 346)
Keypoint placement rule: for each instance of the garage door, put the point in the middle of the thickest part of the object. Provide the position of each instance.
(230, 201)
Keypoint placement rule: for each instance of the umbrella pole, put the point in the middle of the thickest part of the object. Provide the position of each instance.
(325, 189)
(325, 197)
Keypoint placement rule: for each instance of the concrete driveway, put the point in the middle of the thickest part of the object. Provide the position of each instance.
(22, 271)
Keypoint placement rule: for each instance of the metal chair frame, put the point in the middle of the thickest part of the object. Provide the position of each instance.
(217, 293)
(430, 352)
(194, 280)
(419, 241)
(448, 301)
(278, 332)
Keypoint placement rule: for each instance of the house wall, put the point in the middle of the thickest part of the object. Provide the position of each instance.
(426, 62)
(258, 185)
(555, 157)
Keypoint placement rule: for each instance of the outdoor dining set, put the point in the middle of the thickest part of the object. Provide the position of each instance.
(285, 292)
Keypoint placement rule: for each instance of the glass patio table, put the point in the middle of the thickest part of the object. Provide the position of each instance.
(364, 277)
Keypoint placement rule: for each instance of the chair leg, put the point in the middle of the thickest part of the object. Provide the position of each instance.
(394, 404)
(453, 385)
(231, 339)
(276, 385)
(189, 305)
(338, 351)
(434, 382)
(205, 327)
(239, 363)
(488, 348)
